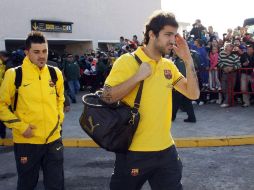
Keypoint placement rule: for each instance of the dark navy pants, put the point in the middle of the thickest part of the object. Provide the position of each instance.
(30, 158)
(162, 169)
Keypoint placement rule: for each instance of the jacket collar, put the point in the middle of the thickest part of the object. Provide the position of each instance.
(141, 54)
(28, 64)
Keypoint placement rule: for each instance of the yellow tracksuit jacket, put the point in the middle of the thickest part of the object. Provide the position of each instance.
(39, 103)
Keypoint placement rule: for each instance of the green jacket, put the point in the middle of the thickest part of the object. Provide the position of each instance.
(71, 71)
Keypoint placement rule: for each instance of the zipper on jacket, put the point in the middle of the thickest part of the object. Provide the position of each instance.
(43, 110)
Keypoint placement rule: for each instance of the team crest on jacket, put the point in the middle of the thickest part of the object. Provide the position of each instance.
(134, 172)
(23, 160)
(51, 83)
(167, 74)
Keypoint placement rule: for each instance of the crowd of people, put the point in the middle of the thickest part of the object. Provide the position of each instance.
(225, 66)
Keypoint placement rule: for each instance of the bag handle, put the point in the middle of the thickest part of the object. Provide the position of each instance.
(139, 93)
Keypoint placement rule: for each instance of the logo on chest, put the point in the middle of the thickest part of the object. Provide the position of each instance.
(168, 74)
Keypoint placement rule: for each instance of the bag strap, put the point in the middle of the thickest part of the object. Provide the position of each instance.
(18, 80)
(139, 93)
(52, 73)
(53, 76)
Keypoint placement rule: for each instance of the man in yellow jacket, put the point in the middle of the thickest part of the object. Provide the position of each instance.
(36, 121)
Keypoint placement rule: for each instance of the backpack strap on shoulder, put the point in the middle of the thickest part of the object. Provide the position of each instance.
(18, 80)
(53, 75)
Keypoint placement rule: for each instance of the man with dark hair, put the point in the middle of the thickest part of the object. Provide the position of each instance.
(152, 154)
(121, 42)
(36, 118)
(72, 75)
(179, 100)
(135, 41)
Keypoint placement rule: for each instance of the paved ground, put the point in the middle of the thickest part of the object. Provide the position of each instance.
(221, 168)
(204, 168)
(211, 121)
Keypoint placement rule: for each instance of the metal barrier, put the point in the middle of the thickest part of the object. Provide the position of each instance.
(221, 82)
(246, 77)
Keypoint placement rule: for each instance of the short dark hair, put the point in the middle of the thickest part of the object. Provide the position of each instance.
(156, 23)
(34, 37)
(5, 54)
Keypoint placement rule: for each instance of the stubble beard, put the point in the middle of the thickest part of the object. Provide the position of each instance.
(41, 64)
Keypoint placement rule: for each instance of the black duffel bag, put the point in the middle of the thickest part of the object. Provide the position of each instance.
(111, 126)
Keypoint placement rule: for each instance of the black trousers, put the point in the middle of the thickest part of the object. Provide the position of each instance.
(180, 101)
(31, 157)
(2, 130)
(162, 169)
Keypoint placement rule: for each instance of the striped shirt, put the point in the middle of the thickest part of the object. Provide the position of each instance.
(231, 60)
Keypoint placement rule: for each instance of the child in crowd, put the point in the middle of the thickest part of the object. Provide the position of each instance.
(214, 82)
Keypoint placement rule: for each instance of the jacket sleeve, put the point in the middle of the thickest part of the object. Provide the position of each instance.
(7, 92)
(60, 93)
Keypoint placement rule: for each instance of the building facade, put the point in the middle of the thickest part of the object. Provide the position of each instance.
(73, 26)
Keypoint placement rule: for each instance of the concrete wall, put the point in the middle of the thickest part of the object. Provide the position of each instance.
(96, 20)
